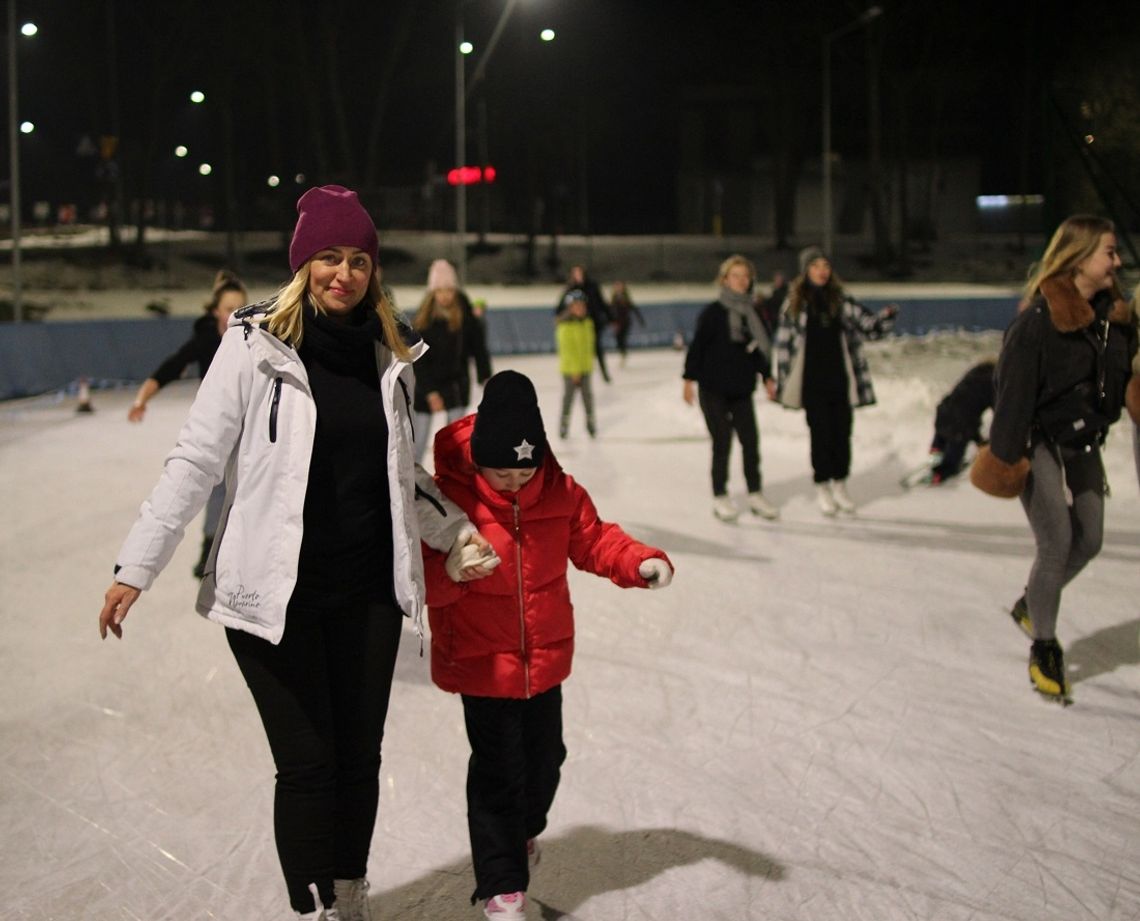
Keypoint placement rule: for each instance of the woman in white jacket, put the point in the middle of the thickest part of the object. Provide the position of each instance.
(305, 413)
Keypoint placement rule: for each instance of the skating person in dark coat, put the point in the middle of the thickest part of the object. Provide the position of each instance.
(1062, 375)
(624, 312)
(958, 419)
(229, 294)
(598, 309)
(729, 351)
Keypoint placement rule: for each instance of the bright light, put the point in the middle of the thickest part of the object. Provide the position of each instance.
(299, 178)
(273, 181)
(27, 127)
(547, 35)
(181, 150)
(1005, 201)
(1089, 138)
(197, 97)
(29, 29)
(466, 47)
(205, 169)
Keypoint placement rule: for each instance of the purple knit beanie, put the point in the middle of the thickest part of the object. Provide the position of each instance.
(331, 215)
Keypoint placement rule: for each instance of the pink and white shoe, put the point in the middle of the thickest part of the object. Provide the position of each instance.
(506, 906)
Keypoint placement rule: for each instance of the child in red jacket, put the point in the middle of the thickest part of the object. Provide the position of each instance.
(504, 642)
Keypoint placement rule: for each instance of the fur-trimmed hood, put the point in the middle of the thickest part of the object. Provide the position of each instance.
(1070, 312)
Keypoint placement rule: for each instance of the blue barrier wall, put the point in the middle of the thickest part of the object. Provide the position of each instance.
(40, 357)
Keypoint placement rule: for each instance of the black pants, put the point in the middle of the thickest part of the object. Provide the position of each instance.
(323, 697)
(829, 422)
(516, 760)
(723, 416)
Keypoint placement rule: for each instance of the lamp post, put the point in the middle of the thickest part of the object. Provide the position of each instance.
(14, 160)
(462, 91)
(870, 13)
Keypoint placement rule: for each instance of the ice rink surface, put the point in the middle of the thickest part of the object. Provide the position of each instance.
(820, 719)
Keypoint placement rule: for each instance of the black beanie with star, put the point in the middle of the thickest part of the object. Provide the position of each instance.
(508, 425)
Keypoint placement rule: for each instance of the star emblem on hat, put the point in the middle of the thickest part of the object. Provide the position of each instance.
(524, 450)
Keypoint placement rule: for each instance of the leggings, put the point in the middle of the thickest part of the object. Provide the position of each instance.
(1067, 535)
(569, 388)
(829, 424)
(322, 694)
(423, 428)
(724, 416)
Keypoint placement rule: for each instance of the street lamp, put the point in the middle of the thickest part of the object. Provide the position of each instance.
(14, 130)
(462, 91)
(869, 14)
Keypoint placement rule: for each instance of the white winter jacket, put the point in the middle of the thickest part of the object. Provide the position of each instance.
(253, 422)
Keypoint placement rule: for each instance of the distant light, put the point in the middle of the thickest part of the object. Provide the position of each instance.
(1089, 139)
(27, 127)
(273, 181)
(466, 47)
(29, 29)
(197, 97)
(205, 169)
(1005, 201)
(547, 35)
(299, 178)
(181, 150)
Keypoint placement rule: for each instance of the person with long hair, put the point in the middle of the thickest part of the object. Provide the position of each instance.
(442, 381)
(229, 294)
(1061, 381)
(729, 351)
(821, 369)
(307, 410)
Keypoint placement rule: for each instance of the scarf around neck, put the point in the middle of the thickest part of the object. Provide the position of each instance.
(345, 345)
(743, 321)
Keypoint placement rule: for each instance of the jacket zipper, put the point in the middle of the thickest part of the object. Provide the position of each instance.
(522, 615)
(273, 410)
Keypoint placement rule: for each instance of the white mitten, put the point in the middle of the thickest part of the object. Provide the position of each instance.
(463, 556)
(656, 572)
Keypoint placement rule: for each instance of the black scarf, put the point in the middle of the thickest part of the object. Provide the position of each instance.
(346, 345)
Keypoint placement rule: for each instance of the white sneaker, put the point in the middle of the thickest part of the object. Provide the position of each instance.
(762, 507)
(352, 899)
(839, 494)
(724, 509)
(506, 906)
(827, 503)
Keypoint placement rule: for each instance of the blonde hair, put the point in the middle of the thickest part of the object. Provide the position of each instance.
(429, 310)
(733, 260)
(1073, 242)
(285, 322)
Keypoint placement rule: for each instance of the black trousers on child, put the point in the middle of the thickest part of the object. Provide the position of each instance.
(516, 760)
(829, 423)
(322, 694)
(724, 416)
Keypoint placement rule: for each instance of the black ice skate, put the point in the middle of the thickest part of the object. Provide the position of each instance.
(1020, 614)
(1047, 671)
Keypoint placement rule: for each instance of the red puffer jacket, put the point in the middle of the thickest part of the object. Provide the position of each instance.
(511, 634)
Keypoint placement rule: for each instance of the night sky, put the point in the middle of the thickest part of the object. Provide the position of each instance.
(365, 94)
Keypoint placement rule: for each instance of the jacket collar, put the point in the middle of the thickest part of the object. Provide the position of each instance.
(1071, 312)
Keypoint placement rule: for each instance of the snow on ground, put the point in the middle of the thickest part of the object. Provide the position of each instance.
(820, 719)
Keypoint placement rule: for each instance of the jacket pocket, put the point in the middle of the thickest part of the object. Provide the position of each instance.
(274, 403)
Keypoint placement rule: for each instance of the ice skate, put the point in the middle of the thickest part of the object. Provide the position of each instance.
(758, 505)
(827, 503)
(506, 906)
(352, 899)
(1047, 671)
(839, 493)
(724, 509)
(1020, 614)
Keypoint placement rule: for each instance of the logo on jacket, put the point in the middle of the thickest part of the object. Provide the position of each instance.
(241, 598)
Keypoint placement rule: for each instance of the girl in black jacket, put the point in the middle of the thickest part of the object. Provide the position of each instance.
(1061, 379)
(729, 349)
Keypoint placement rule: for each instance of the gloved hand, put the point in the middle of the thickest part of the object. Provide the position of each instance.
(470, 557)
(656, 572)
